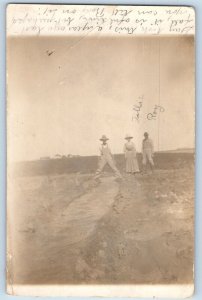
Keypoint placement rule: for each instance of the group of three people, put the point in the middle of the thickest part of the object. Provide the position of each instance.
(132, 166)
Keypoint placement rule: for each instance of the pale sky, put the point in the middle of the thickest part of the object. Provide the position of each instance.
(62, 103)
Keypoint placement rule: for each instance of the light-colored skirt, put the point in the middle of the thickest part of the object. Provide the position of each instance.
(131, 162)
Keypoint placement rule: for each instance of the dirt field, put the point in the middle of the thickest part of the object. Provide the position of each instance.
(70, 229)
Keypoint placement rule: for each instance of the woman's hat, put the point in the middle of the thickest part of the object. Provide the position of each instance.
(128, 136)
(103, 138)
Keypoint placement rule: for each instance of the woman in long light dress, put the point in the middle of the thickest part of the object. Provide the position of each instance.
(130, 156)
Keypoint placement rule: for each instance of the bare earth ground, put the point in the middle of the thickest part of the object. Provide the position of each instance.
(70, 229)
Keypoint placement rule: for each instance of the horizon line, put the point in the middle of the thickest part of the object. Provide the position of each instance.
(68, 156)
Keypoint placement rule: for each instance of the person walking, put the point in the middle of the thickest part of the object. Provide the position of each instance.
(147, 152)
(106, 158)
(130, 156)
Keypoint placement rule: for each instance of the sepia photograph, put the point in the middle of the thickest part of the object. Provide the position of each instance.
(101, 147)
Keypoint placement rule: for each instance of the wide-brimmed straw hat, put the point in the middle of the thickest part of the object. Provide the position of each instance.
(103, 138)
(128, 136)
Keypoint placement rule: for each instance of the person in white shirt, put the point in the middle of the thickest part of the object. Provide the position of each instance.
(106, 158)
(147, 152)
